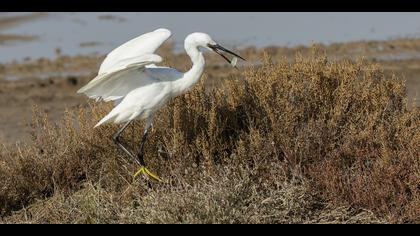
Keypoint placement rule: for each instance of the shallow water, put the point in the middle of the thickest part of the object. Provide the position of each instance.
(99, 32)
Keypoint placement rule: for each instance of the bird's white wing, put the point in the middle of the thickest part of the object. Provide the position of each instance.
(144, 44)
(115, 86)
(124, 68)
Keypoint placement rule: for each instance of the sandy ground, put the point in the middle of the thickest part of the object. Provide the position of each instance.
(52, 84)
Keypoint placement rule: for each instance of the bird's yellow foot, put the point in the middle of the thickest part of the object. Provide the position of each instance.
(145, 171)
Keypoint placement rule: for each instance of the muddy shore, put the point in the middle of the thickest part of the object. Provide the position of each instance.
(51, 84)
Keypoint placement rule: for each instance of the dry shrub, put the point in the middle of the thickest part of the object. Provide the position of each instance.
(307, 141)
(227, 198)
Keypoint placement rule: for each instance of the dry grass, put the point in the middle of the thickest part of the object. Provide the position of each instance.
(301, 142)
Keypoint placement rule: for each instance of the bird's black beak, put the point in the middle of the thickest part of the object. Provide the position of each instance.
(218, 49)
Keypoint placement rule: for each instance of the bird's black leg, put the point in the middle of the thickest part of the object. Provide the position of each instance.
(119, 143)
(140, 154)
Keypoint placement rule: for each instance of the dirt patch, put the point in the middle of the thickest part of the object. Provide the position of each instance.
(7, 38)
(89, 44)
(112, 18)
(11, 21)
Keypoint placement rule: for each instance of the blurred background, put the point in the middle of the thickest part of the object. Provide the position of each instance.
(46, 57)
(34, 35)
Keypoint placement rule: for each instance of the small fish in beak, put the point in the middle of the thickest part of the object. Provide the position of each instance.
(234, 61)
(219, 49)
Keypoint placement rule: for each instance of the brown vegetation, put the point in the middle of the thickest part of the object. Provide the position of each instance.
(5, 38)
(288, 142)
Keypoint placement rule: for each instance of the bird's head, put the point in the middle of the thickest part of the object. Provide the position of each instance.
(205, 41)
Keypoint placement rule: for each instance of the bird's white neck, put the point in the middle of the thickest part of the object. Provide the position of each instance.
(192, 76)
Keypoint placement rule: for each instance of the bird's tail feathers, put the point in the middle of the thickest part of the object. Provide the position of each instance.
(108, 118)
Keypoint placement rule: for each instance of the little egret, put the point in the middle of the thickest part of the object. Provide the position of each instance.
(129, 77)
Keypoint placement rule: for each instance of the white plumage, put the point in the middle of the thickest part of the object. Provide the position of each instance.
(129, 74)
(129, 77)
(121, 67)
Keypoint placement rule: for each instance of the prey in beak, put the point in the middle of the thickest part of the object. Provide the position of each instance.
(219, 49)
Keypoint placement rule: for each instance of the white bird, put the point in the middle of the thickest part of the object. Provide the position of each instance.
(129, 77)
